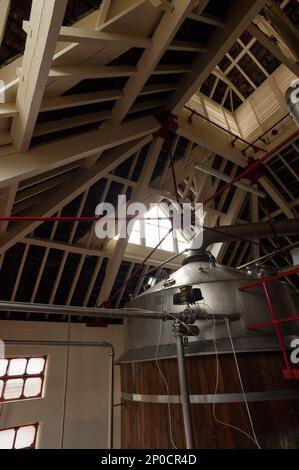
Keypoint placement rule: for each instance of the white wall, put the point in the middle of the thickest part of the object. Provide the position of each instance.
(88, 384)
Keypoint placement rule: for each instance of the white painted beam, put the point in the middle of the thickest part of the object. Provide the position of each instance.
(8, 110)
(82, 36)
(170, 69)
(68, 123)
(272, 47)
(41, 159)
(117, 11)
(45, 22)
(18, 230)
(129, 256)
(203, 134)
(82, 99)
(158, 88)
(207, 19)
(122, 243)
(103, 12)
(277, 197)
(7, 198)
(240, 17)
(81, 120)
(228, 179)
(81, 73)
(186, 46)
(148, 63)
(70, 101)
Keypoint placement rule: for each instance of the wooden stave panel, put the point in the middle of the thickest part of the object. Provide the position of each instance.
(276, 422)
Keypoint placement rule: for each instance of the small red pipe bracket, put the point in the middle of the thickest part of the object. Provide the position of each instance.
(289, 372)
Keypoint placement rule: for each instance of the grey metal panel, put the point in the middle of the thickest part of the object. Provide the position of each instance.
(218, 398)
(206, 348)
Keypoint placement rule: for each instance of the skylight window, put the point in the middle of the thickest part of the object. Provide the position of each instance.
(153, 228)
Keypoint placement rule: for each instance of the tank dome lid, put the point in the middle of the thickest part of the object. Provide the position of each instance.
(197, 255)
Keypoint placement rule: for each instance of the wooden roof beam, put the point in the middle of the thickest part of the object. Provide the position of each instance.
(45, 22)
(20, 166)
(163, 35)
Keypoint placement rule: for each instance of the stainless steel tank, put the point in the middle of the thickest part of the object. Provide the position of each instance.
(221, 298)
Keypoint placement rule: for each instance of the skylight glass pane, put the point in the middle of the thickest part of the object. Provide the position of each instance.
(151, 235)
(167, 244)
(153, 216)
(32, 387)
(3, 366)
(135, 238)
(17, 366)
(7, 438)
(164, 219)
(35, 365)
(25, 437)
(13, 389)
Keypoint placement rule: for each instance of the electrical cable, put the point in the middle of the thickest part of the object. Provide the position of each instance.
(217, 420)
(65, 382)
(241, 383)
(165, 380)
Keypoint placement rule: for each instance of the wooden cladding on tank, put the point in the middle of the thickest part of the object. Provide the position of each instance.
(146, 425)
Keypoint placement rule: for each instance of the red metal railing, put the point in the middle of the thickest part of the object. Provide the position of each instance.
(289, 372)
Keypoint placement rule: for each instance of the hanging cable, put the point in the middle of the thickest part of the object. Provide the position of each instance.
(165, 380)
(241, 383)
(253, 439)
(65, 382)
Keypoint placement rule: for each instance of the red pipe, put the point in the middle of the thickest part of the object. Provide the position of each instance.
(236, 137)
(254, 326)
(276, 325)
(252, 166)
(269, 279)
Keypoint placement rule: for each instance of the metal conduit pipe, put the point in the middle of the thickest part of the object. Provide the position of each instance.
(8, 306)
(185, 396)
(101, 344)
(249, 231)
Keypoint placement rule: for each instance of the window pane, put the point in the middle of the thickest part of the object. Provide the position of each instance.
(152, 215)
(1, 387)
(151, 235)
(32, 387)
(164, 219)
(35, 365)
(167, 244)
(135, 238)
(25, 437)
(17, 366)
(13, 389)
(3, 366)
(7, 438)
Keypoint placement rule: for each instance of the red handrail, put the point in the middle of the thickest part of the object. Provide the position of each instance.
(289, 373)
(269, 279)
